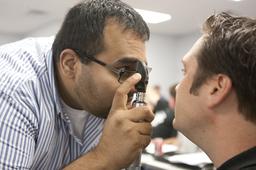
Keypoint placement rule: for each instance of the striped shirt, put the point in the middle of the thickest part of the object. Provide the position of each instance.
(34, 131)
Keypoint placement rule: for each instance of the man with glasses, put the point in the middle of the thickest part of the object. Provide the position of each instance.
(66, 103)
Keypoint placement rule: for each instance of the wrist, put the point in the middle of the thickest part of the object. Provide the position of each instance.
(105, 159)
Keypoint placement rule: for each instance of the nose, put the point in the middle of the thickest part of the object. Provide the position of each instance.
(176, 87)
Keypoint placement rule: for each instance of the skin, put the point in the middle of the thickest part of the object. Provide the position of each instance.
(211, 118)
(94, 88)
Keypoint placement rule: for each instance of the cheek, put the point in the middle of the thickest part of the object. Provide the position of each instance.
(185, 105)
(106, 87)
(190, 113)
(182, 94)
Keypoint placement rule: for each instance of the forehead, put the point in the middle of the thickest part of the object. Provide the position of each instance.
(120, 43)
(190, 57)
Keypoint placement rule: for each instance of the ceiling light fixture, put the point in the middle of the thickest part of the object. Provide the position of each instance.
(153, 17)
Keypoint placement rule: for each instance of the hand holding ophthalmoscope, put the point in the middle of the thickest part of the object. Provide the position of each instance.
(139, 101)
(126, 131)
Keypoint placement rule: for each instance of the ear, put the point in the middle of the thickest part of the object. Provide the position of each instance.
(219, 87)
(69, 63)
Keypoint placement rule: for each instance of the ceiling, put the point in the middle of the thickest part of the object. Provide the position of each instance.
(21, 17)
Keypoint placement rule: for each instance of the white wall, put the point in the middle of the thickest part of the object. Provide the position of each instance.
(50, 30)
(8, 38)
(164, 55)
(162, 58)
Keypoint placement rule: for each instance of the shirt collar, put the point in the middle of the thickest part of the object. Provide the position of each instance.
(241, 161)
(51, 71)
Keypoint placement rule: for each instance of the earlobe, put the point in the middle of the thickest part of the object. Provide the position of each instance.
(68, 63)
(220, 87)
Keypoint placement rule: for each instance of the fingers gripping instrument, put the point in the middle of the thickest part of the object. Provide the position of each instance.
(139, 101)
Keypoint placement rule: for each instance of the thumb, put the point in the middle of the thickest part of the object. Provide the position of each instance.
(121, 95)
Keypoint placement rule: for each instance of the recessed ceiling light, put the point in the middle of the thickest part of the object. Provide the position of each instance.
(236, 0)
(153, 17)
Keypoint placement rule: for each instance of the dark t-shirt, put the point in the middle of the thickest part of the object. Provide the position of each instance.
(244, 161)
(165, 129)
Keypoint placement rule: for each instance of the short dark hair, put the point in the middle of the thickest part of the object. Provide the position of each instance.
(83, 26)
(230, 48)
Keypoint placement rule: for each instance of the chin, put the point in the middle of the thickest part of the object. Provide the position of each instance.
(176, 125)
(103, 113)
(100, 115)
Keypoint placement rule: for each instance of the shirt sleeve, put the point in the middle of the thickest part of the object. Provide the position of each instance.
(17, 135)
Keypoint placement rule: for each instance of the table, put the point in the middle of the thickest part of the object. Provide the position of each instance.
(149, 162)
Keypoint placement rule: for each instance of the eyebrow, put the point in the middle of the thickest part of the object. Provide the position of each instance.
(128, 60)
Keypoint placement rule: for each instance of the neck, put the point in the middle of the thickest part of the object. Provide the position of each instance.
(65, 90)
(229, 136)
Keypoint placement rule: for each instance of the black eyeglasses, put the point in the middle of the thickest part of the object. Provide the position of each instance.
(122, 73)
